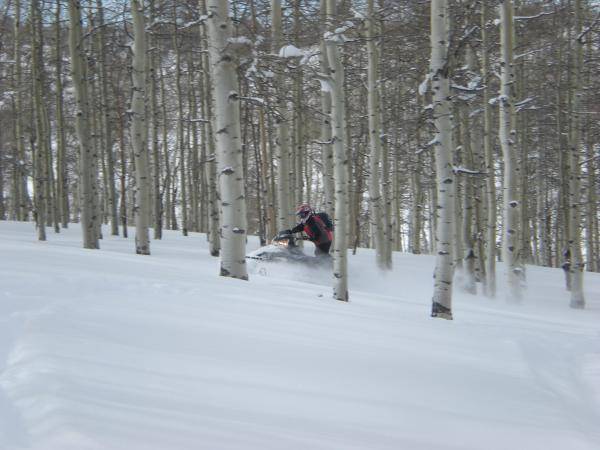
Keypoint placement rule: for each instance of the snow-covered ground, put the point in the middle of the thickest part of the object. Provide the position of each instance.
(110, 350)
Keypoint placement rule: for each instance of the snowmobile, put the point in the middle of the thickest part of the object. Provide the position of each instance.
(284, 249)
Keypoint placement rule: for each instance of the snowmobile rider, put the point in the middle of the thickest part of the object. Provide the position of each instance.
(317, 226)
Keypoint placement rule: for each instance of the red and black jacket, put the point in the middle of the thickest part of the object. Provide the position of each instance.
(315, 229)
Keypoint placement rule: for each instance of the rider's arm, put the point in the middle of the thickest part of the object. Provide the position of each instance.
(298, 228)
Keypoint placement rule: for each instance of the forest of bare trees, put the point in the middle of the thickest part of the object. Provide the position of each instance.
(467, 129)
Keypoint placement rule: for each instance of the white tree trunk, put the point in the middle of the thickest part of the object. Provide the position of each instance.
(139, 131)
(21, 191)
(507, 133)
(284, 201)
(490, 261)
(86, 176)
(229, 145)
(61, 164)
(340, 165)
(214, 241)
(107, 125)
(327, 149)
(375, 197)
(442, 114)
(181, 144)
(577, 262)
(40, 149)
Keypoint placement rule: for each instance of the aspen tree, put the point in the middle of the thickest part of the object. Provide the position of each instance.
(417, 198)
(139, 130)
(228, 137)
(193, 146)
(86, 177)
(51, 205)
(524, 243)
(386, 184)
(591, 217)
(299, 147)
(62, 190)
(490, 185)
(443, 144)
(180, 135)
(284, 218)
(326, 149)
(210, 167)
(155, 115)
(20, 191)
(375, 196)
(123, 160)
(94, 126)
(40, 149)
(467, 205)
(577, 263)
(508, 135)
(168, 208)
(340, 159)
(107, 123)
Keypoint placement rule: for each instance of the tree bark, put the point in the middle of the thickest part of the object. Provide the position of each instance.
(284, 215)
(180, 138)
(139, 131)
(488, 149)
(444, 146)
(107, 124)
(62, 183)
(21, 190)
(375, 195)
(340, 162)
(326, 147)
(508, 135)
(577, 263)
(210, 166)
(229, 146)
(40, 150)
(86, 176)
(154, 113)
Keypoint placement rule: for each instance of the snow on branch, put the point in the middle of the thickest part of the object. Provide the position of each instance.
(542, 14)
(240, 40)
(434, 141)
(325, 80)
(255, 100)
(290, 51)
(329, 142)
(424, 86)
(520, 105)
(532, 52)
(458, 170)
(466, 88)
(475, 112)
(338, 34)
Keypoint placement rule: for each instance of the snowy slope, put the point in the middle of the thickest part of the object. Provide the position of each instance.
(110, 350)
